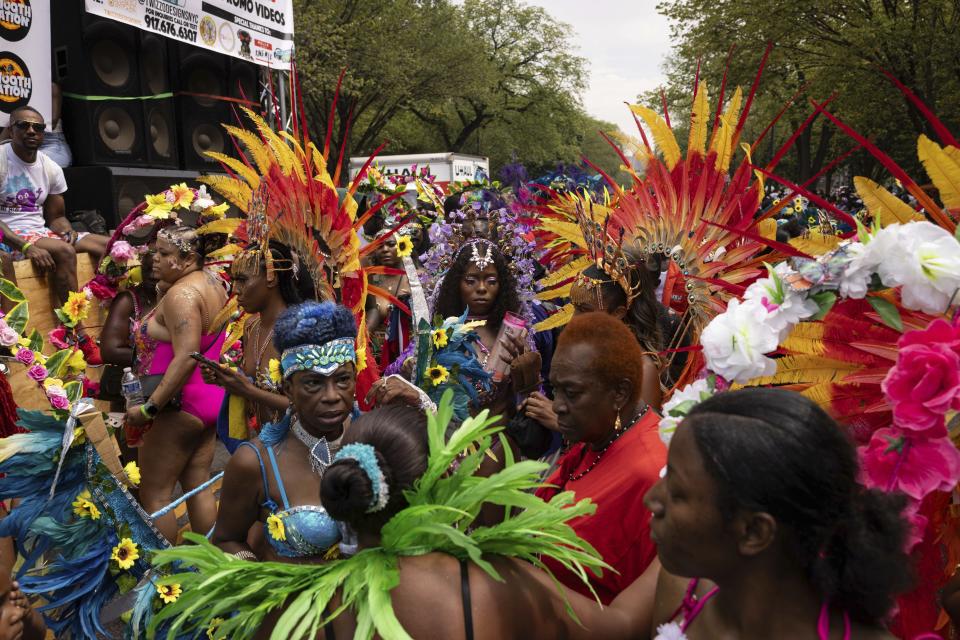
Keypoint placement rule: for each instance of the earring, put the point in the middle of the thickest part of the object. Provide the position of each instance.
(618, 426)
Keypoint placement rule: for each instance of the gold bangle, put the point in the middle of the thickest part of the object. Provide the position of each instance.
(25, 247)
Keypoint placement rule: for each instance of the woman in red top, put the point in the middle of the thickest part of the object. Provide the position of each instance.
(616, 454)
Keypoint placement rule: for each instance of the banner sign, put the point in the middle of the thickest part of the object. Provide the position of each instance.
(259, 31)
(24, 57)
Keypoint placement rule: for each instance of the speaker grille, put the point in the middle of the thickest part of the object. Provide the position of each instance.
(117, 130)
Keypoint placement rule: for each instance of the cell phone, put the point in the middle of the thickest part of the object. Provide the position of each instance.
(202, 359)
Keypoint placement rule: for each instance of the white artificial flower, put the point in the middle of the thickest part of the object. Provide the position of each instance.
(785, 307)
(203, 201)
(921, 258)
(856, 276)
(670, 631)
(694, 393)
(736, 342)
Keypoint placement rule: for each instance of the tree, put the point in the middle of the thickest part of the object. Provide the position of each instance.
(394, 53)
(525, 61)
(825, 47)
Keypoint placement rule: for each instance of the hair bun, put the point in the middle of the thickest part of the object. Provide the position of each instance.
(345, 490)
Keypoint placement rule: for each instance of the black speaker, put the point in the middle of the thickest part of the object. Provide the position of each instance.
(114, 191)
(203, 75)
(244, 81)
(159, 121)
(96, 57)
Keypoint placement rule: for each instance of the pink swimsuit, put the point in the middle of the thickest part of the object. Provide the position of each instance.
(691, 606)
(154, 356)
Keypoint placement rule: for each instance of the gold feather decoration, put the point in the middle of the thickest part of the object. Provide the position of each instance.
(882, 204)
(943, 169)
(662, 135)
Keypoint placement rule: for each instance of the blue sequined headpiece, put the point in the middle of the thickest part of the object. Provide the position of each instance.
(321, 358)
(366, 457)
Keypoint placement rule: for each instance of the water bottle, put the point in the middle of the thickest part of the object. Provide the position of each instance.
(131, 389)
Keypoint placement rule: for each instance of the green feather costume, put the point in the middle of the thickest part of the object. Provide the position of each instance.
(233, 596)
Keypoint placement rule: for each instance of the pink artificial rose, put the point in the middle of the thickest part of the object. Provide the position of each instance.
(121, 251)
(37, 372)
(8, 337)
(939, 331)
(898, 461)
(140, 222)
(58, 401)
(25, 356)
(923, 386)
(58, 337)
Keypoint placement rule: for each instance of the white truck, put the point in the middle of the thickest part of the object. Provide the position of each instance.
(447, 167)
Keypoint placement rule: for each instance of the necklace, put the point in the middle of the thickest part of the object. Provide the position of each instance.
(573, 477)
(319, 449)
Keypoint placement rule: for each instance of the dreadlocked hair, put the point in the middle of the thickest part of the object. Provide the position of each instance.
(449, 302)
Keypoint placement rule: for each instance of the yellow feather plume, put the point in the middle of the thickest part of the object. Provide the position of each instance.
(235, 191)
(224, 314)
(256, 149)
(225, 251)
(237, 166)
(722, 141)
(807, 369)
(662, 135)
(699, 117)
(553, 294)
(569, 231)
(815, 244)
(882, 204)
(806, 338)
(558, 319)
(224, 225)
(943, 169)
(566, 272)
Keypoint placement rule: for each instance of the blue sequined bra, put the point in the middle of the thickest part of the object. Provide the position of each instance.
(307, 530)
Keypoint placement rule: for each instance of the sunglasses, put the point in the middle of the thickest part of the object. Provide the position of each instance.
(23, 125)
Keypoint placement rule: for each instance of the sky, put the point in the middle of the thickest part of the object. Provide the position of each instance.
(624, 42)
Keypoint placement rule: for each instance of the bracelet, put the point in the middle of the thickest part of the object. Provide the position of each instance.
(25, 247)
(426, 404)
(246, 555)
(143, 411)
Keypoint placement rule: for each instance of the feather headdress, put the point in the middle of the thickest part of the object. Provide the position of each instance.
(687, 208)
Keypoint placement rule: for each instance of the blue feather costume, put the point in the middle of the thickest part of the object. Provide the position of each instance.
(68, 548)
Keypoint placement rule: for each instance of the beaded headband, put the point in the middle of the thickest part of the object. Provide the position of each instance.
(183, 238)
(481, 260)
(319, 358)
(366, 458)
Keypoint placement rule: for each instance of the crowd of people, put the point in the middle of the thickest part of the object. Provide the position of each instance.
(469, 395)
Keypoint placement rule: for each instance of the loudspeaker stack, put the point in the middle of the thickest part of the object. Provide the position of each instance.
(139, 107)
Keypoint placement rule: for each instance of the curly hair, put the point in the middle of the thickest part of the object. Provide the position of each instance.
(618, 354)
(449, 302)
(775, 451)
(313, 323)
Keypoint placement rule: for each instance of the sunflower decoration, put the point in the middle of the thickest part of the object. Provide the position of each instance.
(125, 554)
(169, 592)
(75, 309)
(133, 473)
(438, 374)
(446, 359)
(275, 527)
(84, 507)
(214, 628)
(404, 246)
(276, 376)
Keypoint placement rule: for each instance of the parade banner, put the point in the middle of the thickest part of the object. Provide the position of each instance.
(24, 57)
(260, 31)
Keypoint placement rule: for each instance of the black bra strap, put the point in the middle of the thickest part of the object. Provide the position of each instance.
(465, 596)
